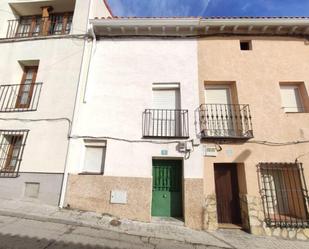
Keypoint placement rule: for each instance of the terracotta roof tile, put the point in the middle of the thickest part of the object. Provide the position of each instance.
(207, 18)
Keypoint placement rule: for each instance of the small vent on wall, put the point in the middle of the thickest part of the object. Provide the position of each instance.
(245, 45)
(32, 189)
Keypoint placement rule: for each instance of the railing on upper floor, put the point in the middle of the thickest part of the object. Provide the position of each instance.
(33, 26)
(20, 97)
(224, 121)
(165, 123)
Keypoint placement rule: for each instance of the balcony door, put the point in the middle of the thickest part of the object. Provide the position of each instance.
(166, 105)
(26, 87)
(218, 111)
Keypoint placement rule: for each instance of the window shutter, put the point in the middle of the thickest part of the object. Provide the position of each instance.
(165, 99)
(94, 159)
(217, 96)
(291, 101)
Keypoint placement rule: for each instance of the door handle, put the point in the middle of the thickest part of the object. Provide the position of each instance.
(164, 196)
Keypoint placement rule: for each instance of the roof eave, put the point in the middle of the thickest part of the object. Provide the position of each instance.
(199, 26)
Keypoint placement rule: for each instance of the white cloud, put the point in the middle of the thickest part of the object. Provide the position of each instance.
(206, 4)
(246, 6)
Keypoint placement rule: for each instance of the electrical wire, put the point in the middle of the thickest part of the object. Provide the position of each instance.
(42, 120)
(261, 142)
(269, 143)
(129, 140)
(296, 159)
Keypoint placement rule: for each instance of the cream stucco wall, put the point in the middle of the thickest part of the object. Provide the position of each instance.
(257, 74)
(59, 65)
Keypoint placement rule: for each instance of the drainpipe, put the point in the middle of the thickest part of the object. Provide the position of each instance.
(93, 49)
(76, 102)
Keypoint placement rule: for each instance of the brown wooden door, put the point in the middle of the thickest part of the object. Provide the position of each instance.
(227, 193)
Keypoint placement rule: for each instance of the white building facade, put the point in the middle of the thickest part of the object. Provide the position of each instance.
(132, 118)
(42, 46)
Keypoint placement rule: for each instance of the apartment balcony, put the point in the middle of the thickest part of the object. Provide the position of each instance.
(33, 26)
(20, 97)
(165, 123)
(224, 121)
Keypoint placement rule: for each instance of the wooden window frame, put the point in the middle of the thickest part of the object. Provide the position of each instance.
(10, 141)
(65, 20)
(20, 92)
(13, 141)
(46, 23)
(34, 20)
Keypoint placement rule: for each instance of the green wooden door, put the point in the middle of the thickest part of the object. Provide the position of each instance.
(167, 188)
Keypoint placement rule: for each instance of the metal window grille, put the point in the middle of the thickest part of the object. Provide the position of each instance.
(284, 194)
(167, 123)
(224, 121)
(12, 143)
(12, 95)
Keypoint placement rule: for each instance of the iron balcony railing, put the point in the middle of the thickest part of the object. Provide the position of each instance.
(20, 97)
(224, 121)
(39, 26)
(165, 123)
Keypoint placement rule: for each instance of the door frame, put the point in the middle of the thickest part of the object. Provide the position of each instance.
(181, 159)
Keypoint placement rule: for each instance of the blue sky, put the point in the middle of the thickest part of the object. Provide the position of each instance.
(210, 7)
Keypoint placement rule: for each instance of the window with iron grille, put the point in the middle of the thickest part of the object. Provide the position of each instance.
(284, 194)
(12, 143)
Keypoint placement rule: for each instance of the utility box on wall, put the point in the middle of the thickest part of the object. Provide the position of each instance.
(118, 197)
(210, 150)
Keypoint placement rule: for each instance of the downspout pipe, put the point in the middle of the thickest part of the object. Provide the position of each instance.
(66, 168)
(92, 52)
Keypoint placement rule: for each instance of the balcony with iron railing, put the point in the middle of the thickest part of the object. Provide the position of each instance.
(20, 97)
(224, 121)
(165, 123)
(33, 26)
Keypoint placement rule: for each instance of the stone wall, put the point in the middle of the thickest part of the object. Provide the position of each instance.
(252, 216)
(210, 213)
(244, 212)
(259, 227)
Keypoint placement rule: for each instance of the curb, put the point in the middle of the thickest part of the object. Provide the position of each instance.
(42, 218)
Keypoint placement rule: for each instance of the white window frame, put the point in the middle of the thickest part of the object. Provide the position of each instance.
(301, 108)
(94, 143)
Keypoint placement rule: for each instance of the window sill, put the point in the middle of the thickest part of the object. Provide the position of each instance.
(91, 173)
(296, 112)
(8, 174)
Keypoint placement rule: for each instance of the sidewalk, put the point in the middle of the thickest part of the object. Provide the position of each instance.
(45, 213)
(148, 231)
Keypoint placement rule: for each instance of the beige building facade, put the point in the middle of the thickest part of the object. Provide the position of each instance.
(238, 86)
